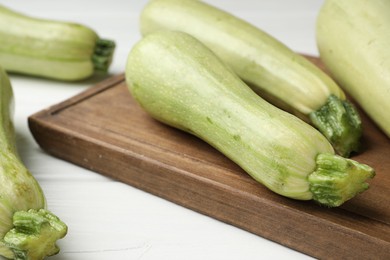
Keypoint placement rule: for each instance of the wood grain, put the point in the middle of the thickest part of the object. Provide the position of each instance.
(103, 129)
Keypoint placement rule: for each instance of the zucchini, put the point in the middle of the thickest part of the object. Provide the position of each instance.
(51, 49)
(27, 229)
(360, 59)
(274, 71)
(182, 83)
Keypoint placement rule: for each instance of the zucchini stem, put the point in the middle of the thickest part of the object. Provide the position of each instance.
(103, 53)
(34, 234)
(339, 121)
(337, 179)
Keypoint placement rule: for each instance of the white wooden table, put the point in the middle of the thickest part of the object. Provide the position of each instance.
(111, 220)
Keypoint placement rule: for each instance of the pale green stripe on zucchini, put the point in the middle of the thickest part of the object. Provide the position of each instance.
(180, 82)
(268, 66)
(63, 70)
(21, 195)
(52, 49)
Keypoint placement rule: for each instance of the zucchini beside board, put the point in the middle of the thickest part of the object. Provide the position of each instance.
(52, 49)
(27, 229)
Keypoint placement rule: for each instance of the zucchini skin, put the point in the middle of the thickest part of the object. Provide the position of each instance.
(270, 68)
(10, 159)
(21, 193)
(248, 50)
(180, 82)
(51, 49)
(359, 60)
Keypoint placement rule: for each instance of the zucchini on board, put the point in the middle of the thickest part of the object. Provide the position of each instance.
(28, 231)
(274, 71)
(182, 83)
(51, 49)
(359, 59)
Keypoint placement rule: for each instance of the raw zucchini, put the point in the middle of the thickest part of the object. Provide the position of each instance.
(272, 69)
(51, 49)
(27, 229)
(182, 83)
(353, 41)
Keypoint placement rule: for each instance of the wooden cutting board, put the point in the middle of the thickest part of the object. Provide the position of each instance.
(104, 130)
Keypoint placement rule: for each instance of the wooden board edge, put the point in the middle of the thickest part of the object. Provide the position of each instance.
(88, 93)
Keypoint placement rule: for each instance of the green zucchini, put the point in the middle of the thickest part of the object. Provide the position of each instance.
(353, 41)
(274, 71)
(27, 229)
(51, 49)
(182, 83)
